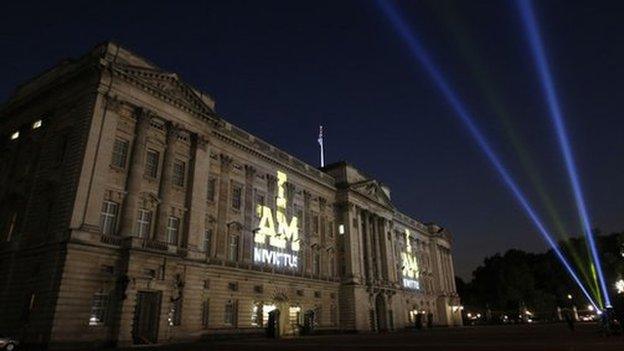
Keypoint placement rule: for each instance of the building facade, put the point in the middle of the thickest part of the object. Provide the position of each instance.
(132, 213)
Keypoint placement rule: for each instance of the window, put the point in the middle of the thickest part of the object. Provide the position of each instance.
(173, 228)
(318, 315)
(207, 240)
(259, 203)
(108, 217)
(211, 189)
(179, 172)
(205, 316)
(316, 262)
(299, 214)
(120, 153)
(144, 223)
(256, 315)
(237, 192)
(330, 266)
(233, 248)
(175, 313)
(151, 163)
(99, 305)
(330, 229)
(333, 315)
(315, 224)
(229, 317)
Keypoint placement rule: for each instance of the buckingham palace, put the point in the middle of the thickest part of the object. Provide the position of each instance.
(132, 213)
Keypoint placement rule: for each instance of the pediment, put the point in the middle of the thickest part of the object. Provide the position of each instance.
(373, 190)
(169, 85)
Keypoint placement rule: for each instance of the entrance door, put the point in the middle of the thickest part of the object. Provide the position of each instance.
(146, 317)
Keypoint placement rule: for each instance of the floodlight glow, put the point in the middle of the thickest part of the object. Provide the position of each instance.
(15, 135)
(539, 55)
(37, 124)
(619, 286)
(420, 54)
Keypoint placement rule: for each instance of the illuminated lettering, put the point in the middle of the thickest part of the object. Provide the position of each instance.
(282, 234)
(410, 271)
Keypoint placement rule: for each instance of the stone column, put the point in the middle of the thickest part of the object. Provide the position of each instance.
(165, 187)
(385, 263)
(248, 214)
(454, 287)
(307, 262)
(196, 192)
(136, 168)
(368, 230)
(223, 206)
(378, 238)
(361, 257)
(393, 259)
(107, 113)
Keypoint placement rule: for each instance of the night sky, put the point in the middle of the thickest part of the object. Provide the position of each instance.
(280, 68)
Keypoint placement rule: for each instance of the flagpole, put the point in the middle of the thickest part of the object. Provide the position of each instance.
(320, 141)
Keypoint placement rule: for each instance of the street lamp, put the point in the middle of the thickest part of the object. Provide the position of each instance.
(569, 297)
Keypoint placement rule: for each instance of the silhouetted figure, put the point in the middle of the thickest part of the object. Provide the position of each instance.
(429, 320)
(569, 318)
(273, 324)
(419, 321)
(609, 322)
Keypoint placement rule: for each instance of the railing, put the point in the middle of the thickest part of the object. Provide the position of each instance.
(155, 245)
(111, 240)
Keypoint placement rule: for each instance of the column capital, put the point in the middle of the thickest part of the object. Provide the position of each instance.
(250, 170)
(226, 161)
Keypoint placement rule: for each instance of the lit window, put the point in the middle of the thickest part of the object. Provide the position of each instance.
(173, 227)
(108, 217)
(120, 153)
(294, 315)
(144, 223)
(151, 163)
(37, 124)
(179, 172)
(175, 313)
(259, 204)
(256, 315)
(99, 306)
(15, 135)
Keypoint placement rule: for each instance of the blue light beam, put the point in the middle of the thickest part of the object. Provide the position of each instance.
(420, 54)
(539, 55)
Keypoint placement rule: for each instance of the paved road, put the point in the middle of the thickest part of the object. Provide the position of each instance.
(506, 338)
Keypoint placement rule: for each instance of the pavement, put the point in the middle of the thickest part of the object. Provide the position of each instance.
(551, 337)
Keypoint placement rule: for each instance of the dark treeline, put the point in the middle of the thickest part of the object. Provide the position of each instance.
(538, 281)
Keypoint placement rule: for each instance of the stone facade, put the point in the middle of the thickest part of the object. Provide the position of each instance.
(132, 213)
